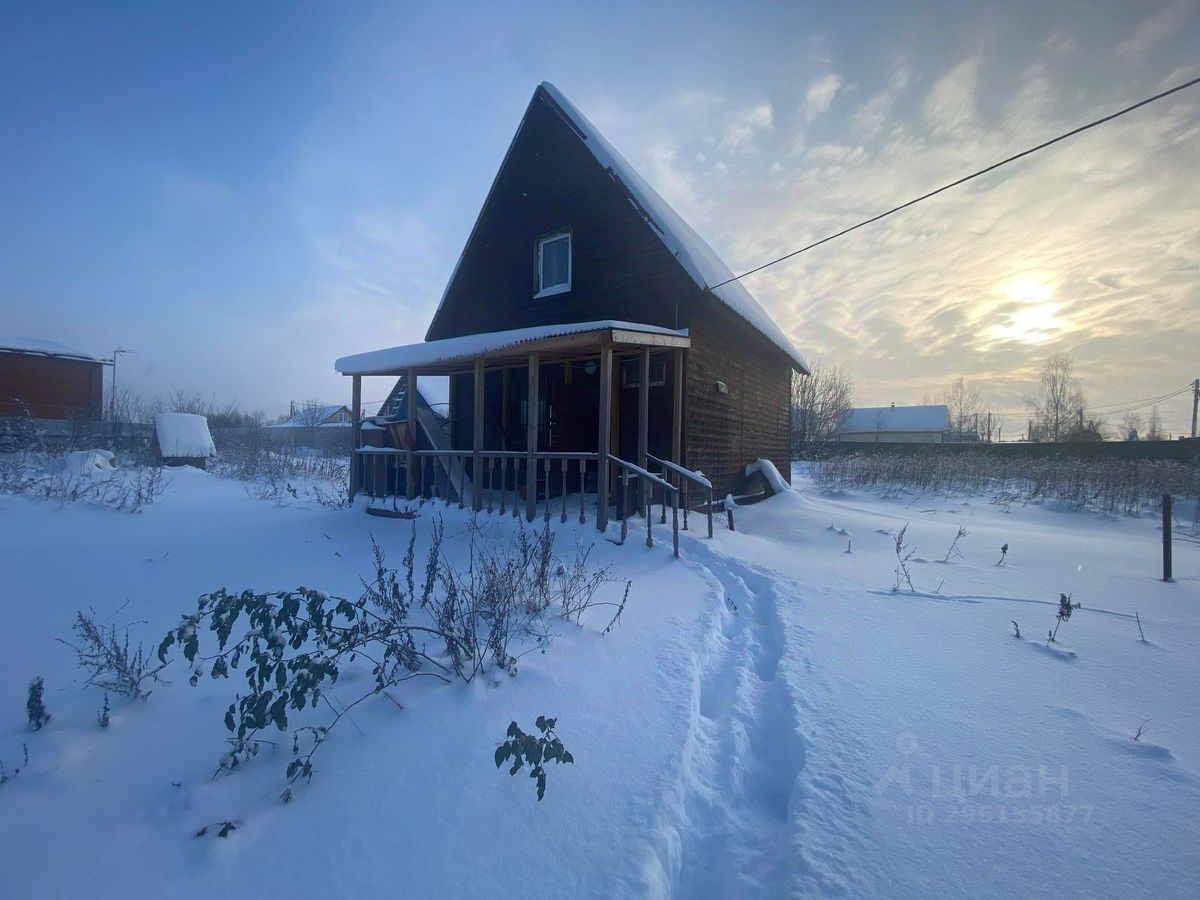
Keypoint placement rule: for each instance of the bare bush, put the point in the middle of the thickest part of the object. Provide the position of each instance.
(108, 659)
(461, 620)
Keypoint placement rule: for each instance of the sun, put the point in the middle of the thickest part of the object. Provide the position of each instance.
(1036, 319)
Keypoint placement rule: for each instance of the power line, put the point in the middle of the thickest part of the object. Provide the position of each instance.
(963, 180)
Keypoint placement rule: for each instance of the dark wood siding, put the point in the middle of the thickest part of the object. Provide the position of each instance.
(550, 182)
(50, 387)
(725, 431)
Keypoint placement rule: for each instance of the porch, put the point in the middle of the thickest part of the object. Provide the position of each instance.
(563, 419)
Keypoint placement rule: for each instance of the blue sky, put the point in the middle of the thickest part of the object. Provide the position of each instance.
(243, 192)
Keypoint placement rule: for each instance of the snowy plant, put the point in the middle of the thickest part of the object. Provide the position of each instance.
(35, 706)
(294, 645)
(1065, 608)
(1141, 729)
(1016, 629)
(954, 551)
(1003, 554)
(103, 716)
(904, 553)
(533, 750)
(109, 660)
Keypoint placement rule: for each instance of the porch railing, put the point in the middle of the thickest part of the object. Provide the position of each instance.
(648, 481)
(507, 480)
(683, 479)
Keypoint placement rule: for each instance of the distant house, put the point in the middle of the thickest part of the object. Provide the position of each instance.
(895, 424)
(305, 415)
(47, 380)
(590, 334)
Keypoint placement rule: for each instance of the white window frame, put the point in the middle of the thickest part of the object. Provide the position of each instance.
(553, 289)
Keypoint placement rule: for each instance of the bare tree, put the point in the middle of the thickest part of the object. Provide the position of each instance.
(820, 400)
(1059, 411)
(1154, 429)
(309, 414)
(965, 403)
(1131, 426)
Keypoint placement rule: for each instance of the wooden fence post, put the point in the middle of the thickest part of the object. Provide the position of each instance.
(1166, 534)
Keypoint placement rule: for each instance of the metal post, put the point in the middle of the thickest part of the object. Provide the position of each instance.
(1166, 536)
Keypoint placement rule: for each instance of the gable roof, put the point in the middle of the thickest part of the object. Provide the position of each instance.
(871, 419)
(38, 347)
(693, 254)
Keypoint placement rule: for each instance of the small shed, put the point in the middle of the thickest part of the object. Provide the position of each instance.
(48, 380)
(895, 424)
(183, 439)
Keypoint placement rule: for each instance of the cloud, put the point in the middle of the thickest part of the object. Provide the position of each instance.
(1153, 29)
(871, 116)
(820, 95)
(746, 125)
(950, 104)
(1088, 247)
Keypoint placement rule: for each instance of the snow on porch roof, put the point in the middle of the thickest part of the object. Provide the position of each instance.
(395, 360)
(698, 259)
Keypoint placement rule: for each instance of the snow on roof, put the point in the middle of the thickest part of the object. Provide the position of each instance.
(183, 435)
(871, 419)
(698, 259)
(429, 353)
(40, 347)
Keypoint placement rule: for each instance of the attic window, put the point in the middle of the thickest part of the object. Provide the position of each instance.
(554, 264)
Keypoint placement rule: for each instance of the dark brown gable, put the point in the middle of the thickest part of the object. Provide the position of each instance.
(550, 182)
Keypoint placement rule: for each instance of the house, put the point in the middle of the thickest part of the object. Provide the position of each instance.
(591, 336)
(315, 415)
(895, 424)
(46, 380)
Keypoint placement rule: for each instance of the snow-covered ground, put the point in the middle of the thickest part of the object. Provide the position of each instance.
(769, 720)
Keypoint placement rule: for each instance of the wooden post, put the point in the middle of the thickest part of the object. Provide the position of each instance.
(410, 486)
(355, 434)
(606, 377)
(1166, 530)
(531, 439)
(477, 457)
(643, 489)
(677, 413)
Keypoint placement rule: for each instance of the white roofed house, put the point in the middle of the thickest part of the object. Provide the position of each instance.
(591, 339)
(317, 415)
(895, 424)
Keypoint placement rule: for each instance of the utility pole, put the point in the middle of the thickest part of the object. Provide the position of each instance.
(112, 405)
(1195, 403)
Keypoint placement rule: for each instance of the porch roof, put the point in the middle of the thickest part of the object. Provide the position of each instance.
(438, 357)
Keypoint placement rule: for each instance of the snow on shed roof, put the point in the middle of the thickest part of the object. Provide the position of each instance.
(698, 259)
(870, 419)
(38, 347)
(183, 435)
(432, 353)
